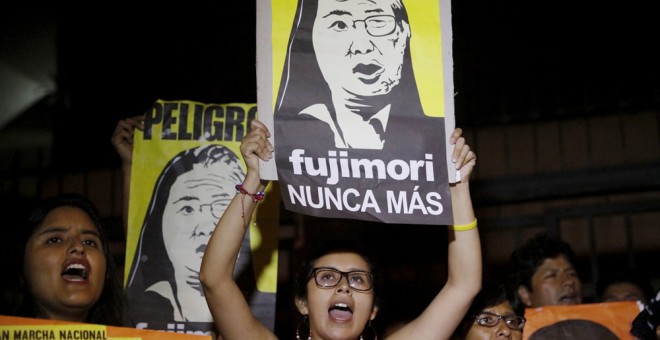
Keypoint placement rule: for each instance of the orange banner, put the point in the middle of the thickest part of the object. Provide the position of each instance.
(598, 320)
(15, 328)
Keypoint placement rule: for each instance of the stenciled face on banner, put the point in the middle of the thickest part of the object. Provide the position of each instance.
(189, 198)
(186, 166)
(360, 46)
(196, 202)
(351, 134)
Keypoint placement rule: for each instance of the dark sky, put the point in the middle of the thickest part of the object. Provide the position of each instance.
(513, 60)
(118, 63)
(555, 58)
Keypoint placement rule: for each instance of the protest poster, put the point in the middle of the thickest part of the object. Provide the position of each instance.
(607, 320)
(186, 164)
(359, 97)
(20, 328)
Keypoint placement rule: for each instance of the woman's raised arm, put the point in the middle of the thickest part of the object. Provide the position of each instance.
(231, 312)
(445, 312)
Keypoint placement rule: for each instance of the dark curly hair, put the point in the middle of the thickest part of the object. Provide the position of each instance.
(335, 246)
(326, 247)
(527, 258)
(491, 294)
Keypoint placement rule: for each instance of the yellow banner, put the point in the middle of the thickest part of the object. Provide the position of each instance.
(426, 48)
(186, 164)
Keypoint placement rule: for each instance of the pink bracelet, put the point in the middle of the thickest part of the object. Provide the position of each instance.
(257, 196)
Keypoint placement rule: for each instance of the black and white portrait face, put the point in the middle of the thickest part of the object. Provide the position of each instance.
(196, 201)
(360, 45)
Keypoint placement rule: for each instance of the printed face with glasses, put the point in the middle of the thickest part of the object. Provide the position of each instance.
(360, 46)
(196, 202)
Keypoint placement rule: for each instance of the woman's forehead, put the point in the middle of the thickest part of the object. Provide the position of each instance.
(66, 219)
(67, 215)
(343, 260)
(354, 6)
(503, 308)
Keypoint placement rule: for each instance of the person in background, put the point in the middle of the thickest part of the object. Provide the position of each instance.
(646, 326)
(544, 273)
(337, 293)
(492, 316)
(574, 329)
(122, 141)
(62, 267)
(624, 285)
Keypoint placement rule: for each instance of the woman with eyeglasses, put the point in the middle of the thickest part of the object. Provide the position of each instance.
(337, 291)
(492, 316)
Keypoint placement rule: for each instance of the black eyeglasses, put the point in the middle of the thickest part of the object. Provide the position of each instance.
(378, 25)
(329, 278)
(488, 319)
(217, 207)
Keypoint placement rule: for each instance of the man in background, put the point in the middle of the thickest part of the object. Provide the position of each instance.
(544, 273)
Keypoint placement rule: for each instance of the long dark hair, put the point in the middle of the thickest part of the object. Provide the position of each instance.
(110, 309)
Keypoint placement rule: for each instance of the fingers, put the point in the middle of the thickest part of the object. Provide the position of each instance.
(257, 125)
(455, 135)
(463, 157)
(459, 153)
(131, 123)
(256, 142)
(122, 138)
(125, 128)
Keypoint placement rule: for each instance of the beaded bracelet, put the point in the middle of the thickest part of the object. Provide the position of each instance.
(464, 227)
(257, 196)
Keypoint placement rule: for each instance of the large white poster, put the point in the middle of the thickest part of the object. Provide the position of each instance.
(359, 95)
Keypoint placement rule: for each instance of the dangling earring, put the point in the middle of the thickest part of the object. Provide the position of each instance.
(298, 335)
(373, 330)
(304, 322)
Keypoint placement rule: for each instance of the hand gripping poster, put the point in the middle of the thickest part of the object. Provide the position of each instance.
(359, 95)
(186, 164)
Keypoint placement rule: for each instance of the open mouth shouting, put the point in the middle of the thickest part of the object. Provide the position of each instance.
(77, 272)
(340, 312)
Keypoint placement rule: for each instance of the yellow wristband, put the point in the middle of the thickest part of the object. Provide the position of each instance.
(464, 227)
